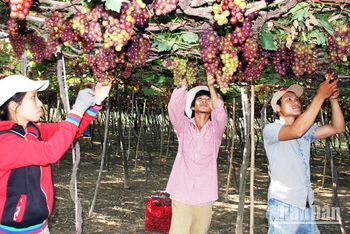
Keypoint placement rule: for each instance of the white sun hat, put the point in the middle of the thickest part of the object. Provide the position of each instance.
(190, 96)
(277, 95)
(13, 84)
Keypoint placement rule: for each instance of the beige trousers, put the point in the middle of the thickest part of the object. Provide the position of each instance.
(190, 219)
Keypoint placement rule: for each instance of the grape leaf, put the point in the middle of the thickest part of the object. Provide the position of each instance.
(161, 46)
(319, 36)
(175, 47)
(153, 91)
(267, 41)
(4, 58)
(147, 91)
(18, 67)
(298, 7)
(275, 79)
(114, 5)
(326, 25)
(300, 11)
(190, 37)
(161, 79)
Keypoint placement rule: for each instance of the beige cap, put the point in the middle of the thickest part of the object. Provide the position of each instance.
(277, 95)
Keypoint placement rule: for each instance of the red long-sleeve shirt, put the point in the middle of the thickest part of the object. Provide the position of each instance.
(26, 185)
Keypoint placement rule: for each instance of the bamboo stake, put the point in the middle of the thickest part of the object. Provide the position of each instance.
(130, 123)
(245, 161)
(252, 161)
(233, 130)
(141, 126)
(102, 160)
(122, 145)
(334, 174)
(168, 144)
(161, 123)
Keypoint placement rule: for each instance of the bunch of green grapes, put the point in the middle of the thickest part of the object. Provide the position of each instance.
(229, 59)
(191, 72)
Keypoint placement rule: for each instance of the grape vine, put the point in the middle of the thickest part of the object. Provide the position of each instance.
(115, 43)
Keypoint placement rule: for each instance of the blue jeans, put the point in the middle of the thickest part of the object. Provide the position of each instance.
(287, 219)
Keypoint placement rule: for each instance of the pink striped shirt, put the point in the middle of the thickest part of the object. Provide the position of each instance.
(193, 179)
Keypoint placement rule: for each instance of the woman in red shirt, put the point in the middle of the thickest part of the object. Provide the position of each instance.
(29, 148)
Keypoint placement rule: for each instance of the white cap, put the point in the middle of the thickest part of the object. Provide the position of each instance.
(13, 84)
(277, 95)
(190, 96)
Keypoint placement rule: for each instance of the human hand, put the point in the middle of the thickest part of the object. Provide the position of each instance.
(84, 100)
(210, 79)
(184, 82)
(327, 88)
(335, 95)
(101, 92)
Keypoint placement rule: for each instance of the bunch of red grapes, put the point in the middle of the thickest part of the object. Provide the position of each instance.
(103, 64)
(242, 31)
(19, 37)
(250, 69)
(340, 43)
(209, 43)
(304, 60)
(19, 8)
(163, 7)
(118, 30)
(136, 54)
(282, 60)
(60, 29)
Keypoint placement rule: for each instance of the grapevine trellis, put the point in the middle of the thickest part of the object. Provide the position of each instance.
(237, 39)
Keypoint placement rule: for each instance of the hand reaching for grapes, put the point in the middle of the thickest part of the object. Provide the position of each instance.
(210, 79)
(335, 95)
(184, 83)
(101, 92)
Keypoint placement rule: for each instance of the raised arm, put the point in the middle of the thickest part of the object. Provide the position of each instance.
(219, 115)
(213, 93)
(176, 107)
(338, 123)
(306, 119)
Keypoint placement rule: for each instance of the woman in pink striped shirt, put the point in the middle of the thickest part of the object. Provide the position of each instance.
(193, 182)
